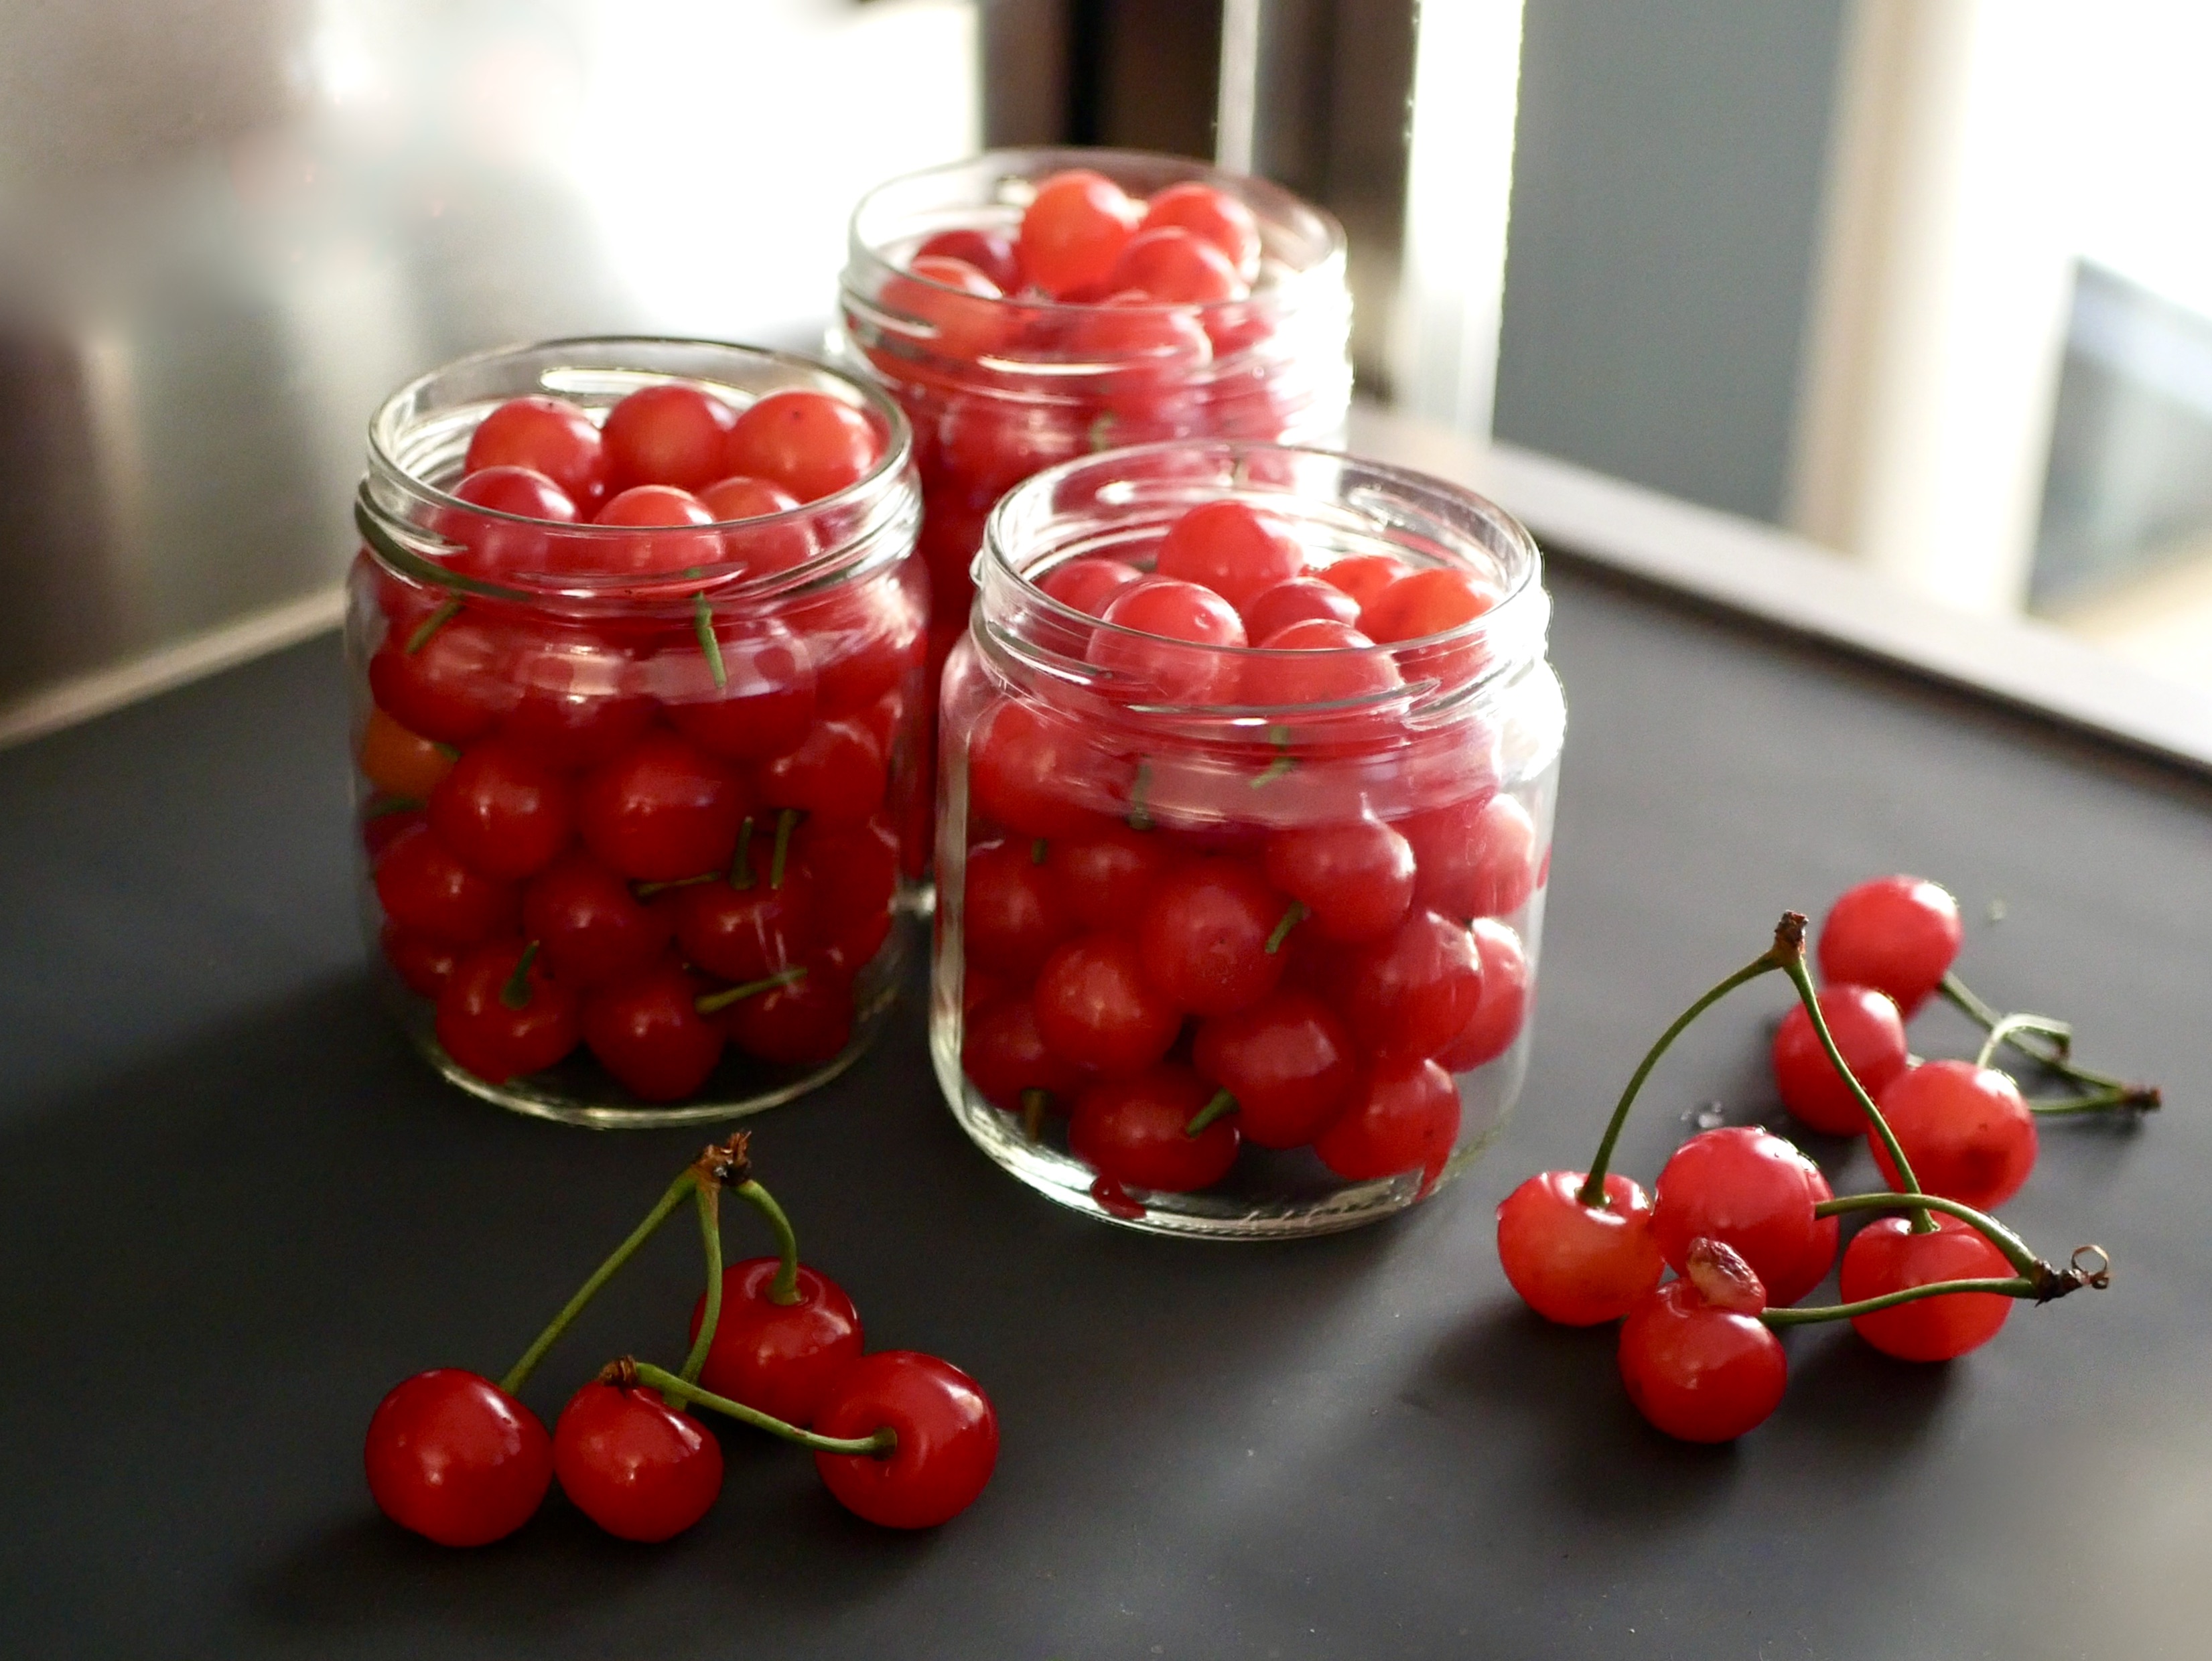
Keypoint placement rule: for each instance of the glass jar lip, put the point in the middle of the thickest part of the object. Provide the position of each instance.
(727, 582)
(1285, 205)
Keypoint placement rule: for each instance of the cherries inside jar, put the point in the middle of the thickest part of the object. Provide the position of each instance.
(638, 634)
(1238, 937)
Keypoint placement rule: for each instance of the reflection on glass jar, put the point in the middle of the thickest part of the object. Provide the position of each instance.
(1234, 940)
(636, 639)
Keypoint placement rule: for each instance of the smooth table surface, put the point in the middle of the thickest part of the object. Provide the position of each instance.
(234, 1209)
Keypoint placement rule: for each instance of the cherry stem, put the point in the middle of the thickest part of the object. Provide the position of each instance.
(1140, 817)
(2097, 1102)
(741, 862)
(784, 1289)
(709, 1002)
(520, 1372)
(2011, 1286)
(390, 805)
(708, 1195)
(2002, 1031)
(647, 890)
(1034, 1102)
(786, 822)
(880, 1445)
(2058, 1055)
(2014, 1248)
(516, 993)
(1298, 912)
(430, 626)
(1039, 848)
(703, 624)
(1281, 764)
(1223, 1103)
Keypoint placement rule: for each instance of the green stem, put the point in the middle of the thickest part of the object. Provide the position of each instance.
(2012, 1286)
(1802, 979)
(647, 890)
(2014, 1248)
(622, 1254)
(786, 822)
(2057, 1055)
(1034, 1102)
(710, 1197)
(785, 1287)
(2003, 1031)
(1140, 814)
(880, 1445)
(741, 862)
(430, 626)
(709, 1002)
(1281, 764)
(516, 993)
(2098, 1101)
(1223, 1103)
(1298, 912)
(703, 624)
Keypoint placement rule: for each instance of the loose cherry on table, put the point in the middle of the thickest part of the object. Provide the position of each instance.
(1898, 935)
(640, 1469)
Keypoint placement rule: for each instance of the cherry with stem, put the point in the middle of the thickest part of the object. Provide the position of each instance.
(879, 1445)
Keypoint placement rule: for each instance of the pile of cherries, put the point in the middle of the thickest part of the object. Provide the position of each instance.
(1182, 989)
(1748, 1223)
(652, 829)
(900, 1438)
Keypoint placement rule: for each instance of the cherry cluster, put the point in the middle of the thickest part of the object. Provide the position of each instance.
(1748, 1223)
(900, 1438)
(1182, 989)
(650, 829)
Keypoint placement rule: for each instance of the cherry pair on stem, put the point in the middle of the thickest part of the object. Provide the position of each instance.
(902, 1439)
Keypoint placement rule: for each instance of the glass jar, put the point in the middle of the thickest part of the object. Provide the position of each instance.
(635, 847)
(998, 389)
(1304, 914)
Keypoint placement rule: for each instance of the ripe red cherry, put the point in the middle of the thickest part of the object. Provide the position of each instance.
(954, 299)
(1476, 858)
(672, 433)
(1212, 215)
(1107, 871)
(1355, 876)
(1012, 913)
(812, 444)
(1096, 1009)
(576, 699)
(1402, 1115)
(648, 1032)
(1141, 349)
(753, 924)
(1134, 1132)
(1498, 1020)
(1753, 1191)
(426, 890)
(1232, 549)
(1411, 991)
(1172, 266)
(1164, 640)
(766, 702)
(500, 1018)
(452, 687)
(1301, 599)
(662, 810)
(1087, 584)
(456, 1459)
(987, 446)
(1074, 229)
(424, 964)
(503, 813)
(837, 773)
(1574, 1264)
(591, 929)
(553, 437)
(1288, 1061)
(1204, 936)
(1699, 1372)
(762, 549)
(1321, 663)
(1030, 771)
(496, 547)
(1363, 576)
(1865, 1025)
(1004, 1056)
(633, 1465)
(782, 1358)
(1966, 1131)
(855, 870)
(1423, 603)
(645, 508)
(1896, 934)
(1887, 1256)
(947, 1432)
(800, 1025)
(987, 252)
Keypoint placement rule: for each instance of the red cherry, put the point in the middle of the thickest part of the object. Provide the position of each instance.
(1363, 576)
(1012, 913)
(1141, 350)
(1475, 858)
(1699, 1372)
(1887, 1256)
(837, 773)
(1108, 871)
(1134, 1132)
(1423, 603)
(550, 435)
(753, 925)
(1498, 1020)
(1212, 215)
(1411, 991)
(1966, 1131)
(671, 434)
(633, 1465)
(855, 870)
(987, 252)
(782, 1358)
(496, 547)
(1320, 663)
(1403, 1115)
(762, 549)
(865, 642)
(766, 702)
(1574, 1264)
(802, 1024)
(990, 444)
(1096, 1009)
(812, 444)
(1169, 264)
(503, 813)
(1074, 229)
(591, 929)
(1301, 599)
(662, 810)
(954, 300)
(1163, 642)
(1088, 583)
(648, 1032)
(1865, 1025)
(1030, 771)
(1004, 1056)
(426, 890)
(1896, 934)
(947, 1433)
(1206, 934)
(1753, 1191)
(1286, 1059)
(499, 1017)
(1232, 549)
(678, 550)
(424, 964)
(1355, 876)
(456, 1459)
(452, 687)
(576, 703)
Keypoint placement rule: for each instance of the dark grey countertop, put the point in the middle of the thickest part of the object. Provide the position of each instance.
(234, 1209)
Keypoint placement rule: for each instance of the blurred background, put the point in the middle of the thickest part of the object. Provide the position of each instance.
(1929, 281)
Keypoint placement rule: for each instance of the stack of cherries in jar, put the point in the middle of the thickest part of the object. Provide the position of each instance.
(658, 820)
(1292, 980)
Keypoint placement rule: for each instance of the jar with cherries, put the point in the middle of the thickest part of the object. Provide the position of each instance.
(1029, 306)
(1247, 762)
(636, 636)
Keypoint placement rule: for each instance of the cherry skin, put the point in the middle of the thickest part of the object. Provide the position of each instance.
(424, 964)
(576, 703)
(1088, 585)
(1966, 1130)
(855, 870)
(1073, 230)
(1232, 549)
(988, 252)
(766, 702)
(1287, 1059)
(663, 809)
(1163, 641)
(954, 299)
(648, 507)
(837, 773)
(452, 687)
(1356, 877)
(1096, 1009)
(1411, 991)
(1476, 858)
(750, 929)
(1403, 1115)
(648, 1032)
(1004, 1056)
(633, 1465)
(947, 1432)
(1134, 1132)
(427, 890)
(1754, 1192)
(1029, 771)
(1012, 912)
(1300, 599)
(1169, 264)
(399, 762)
(551, 436)
(671, 434)
(812, 444)
(498, 1028)
(802, 1024)
(1363, 576)
(502, 812)
(493, 547)
(1204, 935)
(1864, 1024)
(762, 549)
(1107, 871)
(1498, 1020)
(454, 1458)
(1896, 934)
(1574, 1264)
(1213, 215)
(782, 1358)
(1696, 1372)
(1321, 663)
(1423, 603)
(1887, 1256)
(591, 929)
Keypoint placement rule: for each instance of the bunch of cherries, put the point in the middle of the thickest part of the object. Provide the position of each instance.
(1748, 1223)
(655, 832)
(902, 1439)
(1183, 988)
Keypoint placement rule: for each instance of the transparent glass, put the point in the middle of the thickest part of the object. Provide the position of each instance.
(732, 743)
(1086, 823)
